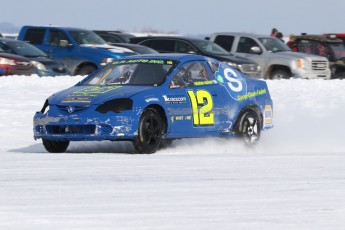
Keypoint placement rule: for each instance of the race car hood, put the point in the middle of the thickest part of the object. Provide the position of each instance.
(297, 55)
(88, 95)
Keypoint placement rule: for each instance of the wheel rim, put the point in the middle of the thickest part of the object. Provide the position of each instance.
(251, 130)
(150, 131)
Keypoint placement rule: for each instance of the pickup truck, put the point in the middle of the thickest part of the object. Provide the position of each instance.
(80, 50)
(275, 59)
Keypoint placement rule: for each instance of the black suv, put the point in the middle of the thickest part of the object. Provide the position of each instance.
(177, 44)
(324, 45)
(114, 36)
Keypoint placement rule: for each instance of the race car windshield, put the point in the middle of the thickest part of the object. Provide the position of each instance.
(130, 74)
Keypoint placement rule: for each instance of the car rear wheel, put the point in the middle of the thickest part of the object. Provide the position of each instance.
(165, 143)
(149, 132)
(248, 127)
(280, 74)
(55, 146)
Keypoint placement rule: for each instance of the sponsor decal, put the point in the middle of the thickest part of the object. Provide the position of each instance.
(251, 94)
(199, 83)
(174, 99)
(232, 80)
(76, 99)
(268, 114)
(151, 99)
(145, 61)
(93, 91)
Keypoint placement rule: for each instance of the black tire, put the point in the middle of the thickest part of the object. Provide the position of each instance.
(55, 146)
(248, 127)
(85, 70)
(280, 74)
(150, 132)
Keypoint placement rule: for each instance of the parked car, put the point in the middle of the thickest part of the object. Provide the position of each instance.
(179, 44)
(139, 49)
(274, 57)
(324, 45)
(80, 50)
(11, 64)
(153, 99)
(43, 65)
(114, 36)
(339, 35)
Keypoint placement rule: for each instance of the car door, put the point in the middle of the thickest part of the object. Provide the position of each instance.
(243, 49)
(54, 46)
(36, 37)
(193, 100)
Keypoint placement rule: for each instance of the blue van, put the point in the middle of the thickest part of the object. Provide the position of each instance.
(81, 51)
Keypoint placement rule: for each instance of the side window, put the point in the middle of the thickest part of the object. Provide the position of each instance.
(34, 36)
(55, 37)
(189, 74)
(214, 65)
(245, 44)
(320, 49)
(110, 38)
(305, 46)
(183, 47)
(164, 46)
(225, 41)
(5, 48)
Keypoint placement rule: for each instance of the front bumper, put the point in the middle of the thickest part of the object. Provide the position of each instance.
(78, 127)
(309, 74)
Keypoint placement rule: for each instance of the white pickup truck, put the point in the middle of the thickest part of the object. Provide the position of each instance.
(275, 59)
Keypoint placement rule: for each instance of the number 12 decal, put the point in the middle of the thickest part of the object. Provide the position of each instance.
(204, 114)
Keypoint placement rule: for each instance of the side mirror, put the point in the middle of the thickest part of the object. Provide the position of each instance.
(65, 43)
(255, 50)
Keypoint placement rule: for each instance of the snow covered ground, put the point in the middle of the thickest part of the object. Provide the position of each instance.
(293, 179)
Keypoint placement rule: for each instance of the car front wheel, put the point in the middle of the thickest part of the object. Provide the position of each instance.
(86, 70)
(55, 146)
(280, 74)
(149, 132)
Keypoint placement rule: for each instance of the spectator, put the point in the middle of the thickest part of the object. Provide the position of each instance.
(321, 49)
(291, 43)
(280, 36)
(274, 32)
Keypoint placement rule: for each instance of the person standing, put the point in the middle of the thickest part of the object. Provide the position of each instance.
(291, 43)
(274, 32)
(280, 36)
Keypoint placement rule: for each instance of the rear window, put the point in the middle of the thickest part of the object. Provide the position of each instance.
(34, 36)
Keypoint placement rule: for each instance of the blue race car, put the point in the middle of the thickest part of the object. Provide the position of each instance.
(154, 99)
